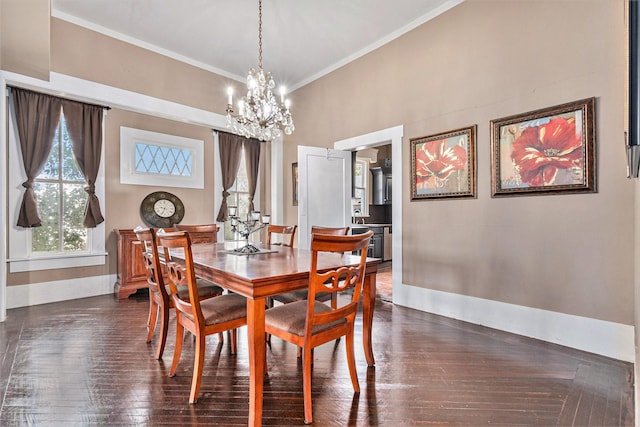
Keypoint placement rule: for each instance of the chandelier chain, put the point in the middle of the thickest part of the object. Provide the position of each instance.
(260, 34)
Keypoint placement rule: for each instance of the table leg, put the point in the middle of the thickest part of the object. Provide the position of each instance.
(257, 352)
(368, 302)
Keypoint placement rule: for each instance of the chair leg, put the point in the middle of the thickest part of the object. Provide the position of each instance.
(234, 341)
(221, 337)
(306, 380)
(268, 305)
(197, 368)
(351, 361)
(153, 316)
(178, 347)
(334, 300)
(164, 327)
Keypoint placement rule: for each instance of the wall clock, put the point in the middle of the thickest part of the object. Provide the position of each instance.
(161, 209)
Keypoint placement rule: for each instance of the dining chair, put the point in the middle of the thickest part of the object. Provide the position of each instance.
(160, 302)
(283, 231)
(293, 296)
(310, 323)
(200, 317)
(200, 233)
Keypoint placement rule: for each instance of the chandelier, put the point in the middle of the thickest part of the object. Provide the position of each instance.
(260, 114)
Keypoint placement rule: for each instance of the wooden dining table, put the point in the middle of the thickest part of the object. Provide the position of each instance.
(277, 270)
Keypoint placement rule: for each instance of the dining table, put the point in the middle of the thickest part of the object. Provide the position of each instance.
(273, 270)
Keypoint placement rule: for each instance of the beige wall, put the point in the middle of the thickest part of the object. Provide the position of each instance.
(24, 37)
(79, 52)
(482, 61)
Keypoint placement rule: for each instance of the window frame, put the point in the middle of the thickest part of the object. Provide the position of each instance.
(129, 137)
(21, 257)
(364, 201)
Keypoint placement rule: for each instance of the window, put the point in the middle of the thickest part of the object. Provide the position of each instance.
(61, 199)
(238, 196)
(360, 201)
(151, 158)
(62, 240)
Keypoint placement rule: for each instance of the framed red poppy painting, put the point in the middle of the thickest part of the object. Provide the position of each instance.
(444, 165)
(547, 151)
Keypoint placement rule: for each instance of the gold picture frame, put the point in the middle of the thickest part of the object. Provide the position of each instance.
(443, 166)
(546, 151)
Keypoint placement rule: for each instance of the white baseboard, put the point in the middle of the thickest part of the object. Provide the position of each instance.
(609, 339)
(61, 290)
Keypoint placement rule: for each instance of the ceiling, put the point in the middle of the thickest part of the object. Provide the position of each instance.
(302, 39)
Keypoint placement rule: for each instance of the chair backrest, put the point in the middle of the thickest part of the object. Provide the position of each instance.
(285, 230)
(179, 274)
(334, 231)
(337, 280)
(152, 260)
(203, 233)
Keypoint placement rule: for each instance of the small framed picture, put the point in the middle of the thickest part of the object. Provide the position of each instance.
(548, 151)
(444, 165)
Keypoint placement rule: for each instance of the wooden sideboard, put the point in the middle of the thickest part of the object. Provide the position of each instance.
(132, 273)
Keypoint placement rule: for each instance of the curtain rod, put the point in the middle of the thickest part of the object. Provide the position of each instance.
(59, 97)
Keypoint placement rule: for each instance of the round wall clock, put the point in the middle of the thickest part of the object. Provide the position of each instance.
(162, 209)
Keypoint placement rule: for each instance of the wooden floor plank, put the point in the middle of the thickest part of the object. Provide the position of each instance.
(86, 362)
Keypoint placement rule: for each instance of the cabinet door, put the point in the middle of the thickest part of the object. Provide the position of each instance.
(377, 241)
(136, 269)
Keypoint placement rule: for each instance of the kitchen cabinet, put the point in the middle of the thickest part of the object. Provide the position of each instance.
(379, 240)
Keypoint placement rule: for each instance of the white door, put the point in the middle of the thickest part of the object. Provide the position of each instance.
(324, 190)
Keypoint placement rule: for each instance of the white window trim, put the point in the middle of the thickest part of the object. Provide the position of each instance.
(128, 174)
(364, 207)
(20, 258)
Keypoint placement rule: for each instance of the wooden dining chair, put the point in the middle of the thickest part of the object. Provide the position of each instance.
(160, 302)
(200, 317)
(310, 323)
(284, 231)
(201, 233)
(301, 294)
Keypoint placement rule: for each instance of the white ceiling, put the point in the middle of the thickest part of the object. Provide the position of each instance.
(302, 39)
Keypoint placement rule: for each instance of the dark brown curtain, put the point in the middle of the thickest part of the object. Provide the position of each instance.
(37, 116)
(252, 158)
(84, 124)
(230, 152)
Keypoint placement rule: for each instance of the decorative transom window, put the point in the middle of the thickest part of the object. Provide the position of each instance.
(158, 159)
(151, 158)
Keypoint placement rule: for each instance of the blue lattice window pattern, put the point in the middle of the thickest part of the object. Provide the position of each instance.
(158, 159)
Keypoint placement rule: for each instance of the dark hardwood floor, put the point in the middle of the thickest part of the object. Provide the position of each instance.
(85, 362)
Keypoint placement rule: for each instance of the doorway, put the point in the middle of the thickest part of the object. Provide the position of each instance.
(391, 136)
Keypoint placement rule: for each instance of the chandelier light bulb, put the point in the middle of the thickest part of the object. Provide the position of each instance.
(229, 95)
